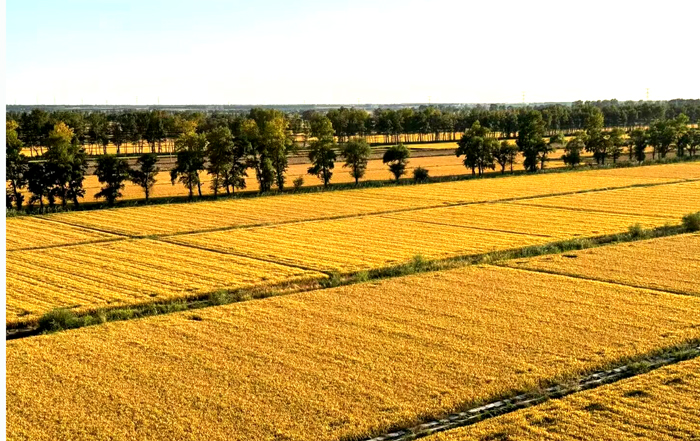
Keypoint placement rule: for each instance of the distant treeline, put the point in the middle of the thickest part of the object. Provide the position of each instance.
(228, 146)
(155, 130)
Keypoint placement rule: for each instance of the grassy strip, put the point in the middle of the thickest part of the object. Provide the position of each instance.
(88, 206)
(62, 319)
(550, 389)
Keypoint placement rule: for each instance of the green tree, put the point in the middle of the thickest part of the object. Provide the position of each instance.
(615, 141)
(639, 140)
(39, 184)
(356, 153)
(530, 139)
(478, 148)
(572, 151)
(506, 155)
(190, 149)
(144, 175)
(322, 157)
(550, 147)
(397, 158)
(66, 164)
(16, 165)
(112, 172)
(226, 155)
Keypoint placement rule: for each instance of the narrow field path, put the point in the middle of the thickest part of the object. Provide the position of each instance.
(507, 405)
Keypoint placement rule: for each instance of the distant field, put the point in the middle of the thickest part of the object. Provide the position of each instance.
(657, 406)
(179, 218)
(351, 360)
(669, 263)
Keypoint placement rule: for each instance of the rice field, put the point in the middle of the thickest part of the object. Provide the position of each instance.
(29, 232)
(669, 201)
(88, 277)
(329, 364)
(211, 215)
(371, 242)
(656, 406)
(668, 264)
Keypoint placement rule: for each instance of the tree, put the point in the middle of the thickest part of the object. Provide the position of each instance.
(16, 165)
(505, 155)
(549, 147)
(639, 139)
(478, 148)
(530, 138)
(190, 148)
(572, 151)
(99, 129)
(271, 143)
(615, 142)
(144, 175)
(112, 172)
(66, 164)
(219, 152)
(356, 153)
(39, 183)
(322, 157)
(397, 158)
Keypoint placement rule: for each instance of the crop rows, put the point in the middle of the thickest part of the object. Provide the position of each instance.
(669, 263)
(88, 277)
(671, 201)
(28, 232)
(660, 405)
(180, 218)
(352, 361)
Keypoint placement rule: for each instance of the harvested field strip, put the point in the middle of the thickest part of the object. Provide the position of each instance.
(32, 232)
(669, 264)
(354, 244)
(232, 213)
(541, 221)
(371, 242)
(89, 277)
(671, 201)
(659, 405)
(354, 360)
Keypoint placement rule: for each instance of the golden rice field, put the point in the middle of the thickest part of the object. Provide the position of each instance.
(657, 406)
(29, 232)
(371, 242)
(341, 362)
(671, 201)
(88, 277)
(668, 264)
(181, 218)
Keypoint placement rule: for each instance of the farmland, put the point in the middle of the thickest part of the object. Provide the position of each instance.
(353, 360)
(89, 277)
(669, 264)
(211, 215)
(660, 405)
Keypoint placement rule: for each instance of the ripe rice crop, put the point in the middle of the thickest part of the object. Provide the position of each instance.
(179, 218)
(335, 363)
(89, 277)
(656, 406)
(671, 201)
(29, 232)
(554, 223)
(668, 263)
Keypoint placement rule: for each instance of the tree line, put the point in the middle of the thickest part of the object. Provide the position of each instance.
(262, 142)
(156, 130)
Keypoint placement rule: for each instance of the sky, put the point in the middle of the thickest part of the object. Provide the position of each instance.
(348, 52)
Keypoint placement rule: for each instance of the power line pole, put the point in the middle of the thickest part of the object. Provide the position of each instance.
(523, 97)
(647, 94)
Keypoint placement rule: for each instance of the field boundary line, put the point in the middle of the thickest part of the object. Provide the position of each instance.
(590, 279)
(69, 245)
(470, 227)
(589, 210)
(507, 405)
(84, 227)
(400, 210)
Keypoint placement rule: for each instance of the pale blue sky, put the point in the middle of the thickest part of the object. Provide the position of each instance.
(313, 51)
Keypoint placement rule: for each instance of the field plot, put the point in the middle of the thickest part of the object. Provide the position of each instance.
(88, 277)
(180, 218)
(668, 263)
(353, 244)
(671, 201)
(554, 223)
(659, 405)
(29, 232)
(326, 364)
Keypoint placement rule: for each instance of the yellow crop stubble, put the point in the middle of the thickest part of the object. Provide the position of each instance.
(667, 263)
(656, 406)
(88, 277)
(341, 362)
(30, 232)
